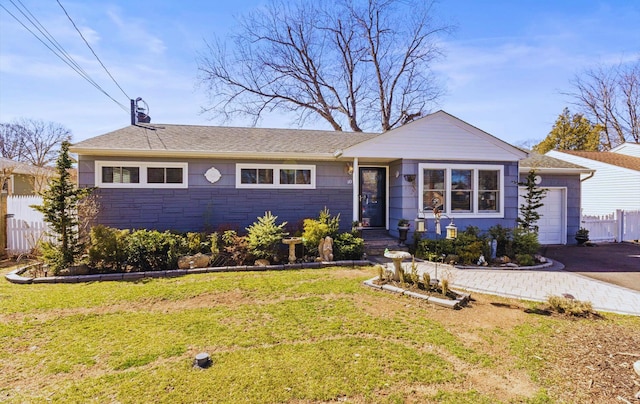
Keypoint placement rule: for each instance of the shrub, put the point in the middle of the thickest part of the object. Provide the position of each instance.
(569, 306)
(469, 253)
(265, 236)
(150, 250)
(196, 243)
(525, 260)
(214, 244)
(235, 247)
(317, 229)
(469, 246)
(432, 250)
(525, 242)
(348, 247)
(107, 248)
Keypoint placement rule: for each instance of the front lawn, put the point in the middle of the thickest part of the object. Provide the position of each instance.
(294, 336)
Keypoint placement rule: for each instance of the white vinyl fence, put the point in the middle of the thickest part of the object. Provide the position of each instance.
(619, 226)
(25, 225)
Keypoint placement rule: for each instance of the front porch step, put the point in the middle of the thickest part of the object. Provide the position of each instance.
(378, 240)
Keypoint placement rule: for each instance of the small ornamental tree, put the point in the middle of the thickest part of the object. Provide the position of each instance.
(529, 215)
(60, 210)
(264, 236)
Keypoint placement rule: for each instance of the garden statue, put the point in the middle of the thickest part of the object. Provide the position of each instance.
(494, 248)
(325, 249)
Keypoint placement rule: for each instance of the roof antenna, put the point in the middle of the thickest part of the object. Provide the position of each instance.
(139, 112)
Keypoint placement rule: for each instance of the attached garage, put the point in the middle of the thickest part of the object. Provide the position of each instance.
(553, 221)
(561, 211)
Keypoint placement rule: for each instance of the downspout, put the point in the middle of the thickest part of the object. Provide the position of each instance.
(356, 191)
(589, 176)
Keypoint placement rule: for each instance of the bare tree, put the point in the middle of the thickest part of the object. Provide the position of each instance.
(611, 98)
(10, 141)
(32, 141)
(359, 64)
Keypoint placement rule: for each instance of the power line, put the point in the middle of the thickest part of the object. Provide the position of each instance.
(90, 48)
(60, 53)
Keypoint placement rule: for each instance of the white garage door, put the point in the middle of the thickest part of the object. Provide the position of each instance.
(552, 224)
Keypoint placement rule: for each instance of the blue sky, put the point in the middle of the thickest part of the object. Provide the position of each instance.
(505, 69)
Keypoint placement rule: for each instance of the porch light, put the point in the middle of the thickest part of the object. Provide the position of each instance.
(452, 231)
(420, 222)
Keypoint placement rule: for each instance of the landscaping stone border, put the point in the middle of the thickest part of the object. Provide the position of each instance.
(547, 264)
(462, 299)
(15, 276)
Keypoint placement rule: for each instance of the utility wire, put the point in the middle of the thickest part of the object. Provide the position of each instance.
(90, 48)
(65, 57)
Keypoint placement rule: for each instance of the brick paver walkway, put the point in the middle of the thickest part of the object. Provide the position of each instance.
(538, 285)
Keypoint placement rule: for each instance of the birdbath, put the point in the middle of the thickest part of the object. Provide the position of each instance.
(397, 257)
(292, 241)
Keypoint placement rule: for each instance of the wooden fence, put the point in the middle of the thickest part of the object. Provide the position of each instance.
(619, 226)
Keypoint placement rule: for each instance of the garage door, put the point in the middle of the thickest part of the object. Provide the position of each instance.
(552, 224)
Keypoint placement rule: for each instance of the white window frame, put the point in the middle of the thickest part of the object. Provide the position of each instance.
(475, 212)
(276, 175)
(142, 165)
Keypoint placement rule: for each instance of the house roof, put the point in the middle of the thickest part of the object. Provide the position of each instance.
(543, 163)
(437, 136)
(614, 159)
(18, 167)
(162, 140)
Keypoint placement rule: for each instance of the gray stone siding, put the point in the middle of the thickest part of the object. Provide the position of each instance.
(208, 207)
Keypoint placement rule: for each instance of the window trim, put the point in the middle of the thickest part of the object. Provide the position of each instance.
(276, 175)
(142, 165)
(475, 168)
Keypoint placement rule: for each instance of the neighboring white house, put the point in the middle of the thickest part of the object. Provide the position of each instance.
(614, 185)
(630, 149)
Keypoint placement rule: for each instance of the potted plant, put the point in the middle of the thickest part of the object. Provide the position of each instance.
(582, 235)
(403, 228)
(403, 224)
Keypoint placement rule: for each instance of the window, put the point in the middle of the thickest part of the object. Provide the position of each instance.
(462, 190)
(112, 174)
(163, 175)
(121, 175)
(275, 176)
(488, 190)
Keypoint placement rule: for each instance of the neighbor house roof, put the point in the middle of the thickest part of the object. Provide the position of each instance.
(163, 140)
(18, 167)
(614, 159)
(548, 164)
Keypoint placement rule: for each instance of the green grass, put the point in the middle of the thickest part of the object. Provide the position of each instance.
(295, 336)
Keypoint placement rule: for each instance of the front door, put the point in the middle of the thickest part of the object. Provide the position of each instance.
(373, 197)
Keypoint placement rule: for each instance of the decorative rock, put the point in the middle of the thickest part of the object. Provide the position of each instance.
(261, 263)
(636, 367)
(540, 258)
(194, 261)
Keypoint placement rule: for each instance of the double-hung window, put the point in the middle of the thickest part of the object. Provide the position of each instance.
(131, 174)
(462, 190)
(275, 176)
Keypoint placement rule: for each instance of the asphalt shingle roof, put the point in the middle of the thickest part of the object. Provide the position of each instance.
(616, 159)
(192, 138)
(536, 160)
